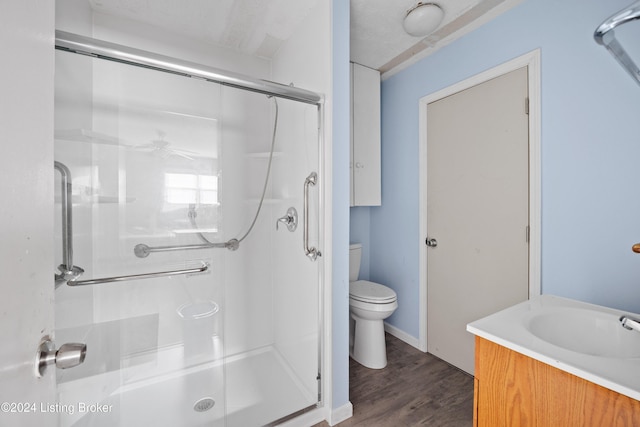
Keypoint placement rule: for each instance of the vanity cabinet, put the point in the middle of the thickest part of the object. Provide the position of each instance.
(512, 389)
(365, 137)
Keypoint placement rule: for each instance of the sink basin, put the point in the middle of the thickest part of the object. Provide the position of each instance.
(583, 339)
(585, 331)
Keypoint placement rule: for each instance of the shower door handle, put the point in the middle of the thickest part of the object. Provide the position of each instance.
(311, 252)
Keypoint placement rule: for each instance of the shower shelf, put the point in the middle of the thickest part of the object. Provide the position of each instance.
(111, 199)
(264, 155)
(89, 136)
(267, 201)
(78, 200)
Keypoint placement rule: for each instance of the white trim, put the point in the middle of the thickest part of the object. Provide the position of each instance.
(326, 263)
(530, 60)
(340, 414)
(403, 336)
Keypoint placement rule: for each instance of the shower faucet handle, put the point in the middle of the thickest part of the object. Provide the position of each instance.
(290, 219)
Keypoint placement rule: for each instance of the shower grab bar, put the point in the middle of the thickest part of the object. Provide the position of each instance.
(67, 225)
(205, 267)
(142, 251)
(67, 270)
(605, 36)
(311, 252)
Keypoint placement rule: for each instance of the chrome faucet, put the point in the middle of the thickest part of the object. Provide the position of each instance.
(290, 219)
(630, 323)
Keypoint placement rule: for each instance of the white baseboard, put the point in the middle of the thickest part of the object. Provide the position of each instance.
(403, 336)
(340, 414)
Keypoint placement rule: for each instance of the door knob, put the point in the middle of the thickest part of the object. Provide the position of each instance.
(67, 356)
(432, 243)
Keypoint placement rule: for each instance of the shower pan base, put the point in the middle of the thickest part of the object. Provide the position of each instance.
(260, 388)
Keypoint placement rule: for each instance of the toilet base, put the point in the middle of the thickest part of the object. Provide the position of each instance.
(369, 347)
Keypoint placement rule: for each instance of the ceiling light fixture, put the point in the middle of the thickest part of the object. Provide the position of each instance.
(423, 19)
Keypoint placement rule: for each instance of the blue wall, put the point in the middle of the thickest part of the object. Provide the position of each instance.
(360, 226)
(590, 154)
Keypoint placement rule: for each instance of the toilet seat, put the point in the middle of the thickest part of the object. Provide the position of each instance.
(371, 293)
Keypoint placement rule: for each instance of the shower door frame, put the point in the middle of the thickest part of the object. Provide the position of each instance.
(100, 49)
(140, 58)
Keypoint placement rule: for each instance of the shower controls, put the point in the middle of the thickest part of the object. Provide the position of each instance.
(290, 219)
(67, 356)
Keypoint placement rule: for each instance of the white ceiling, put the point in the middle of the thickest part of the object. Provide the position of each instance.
(255, 27)
(258, 27)
(379, 41)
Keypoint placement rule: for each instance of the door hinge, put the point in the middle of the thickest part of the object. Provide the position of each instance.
(527, 232)
(526, 106)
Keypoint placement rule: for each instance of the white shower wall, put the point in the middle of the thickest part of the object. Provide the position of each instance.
(92, 83)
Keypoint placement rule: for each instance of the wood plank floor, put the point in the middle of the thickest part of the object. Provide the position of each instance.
(415, 389)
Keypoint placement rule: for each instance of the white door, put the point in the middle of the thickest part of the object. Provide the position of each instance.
(477, 210)
(26, 226)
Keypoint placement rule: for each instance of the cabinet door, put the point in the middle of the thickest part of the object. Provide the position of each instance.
(365, 141)
(512, 389)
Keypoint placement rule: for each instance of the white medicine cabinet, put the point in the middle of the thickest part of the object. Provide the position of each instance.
(365, 136)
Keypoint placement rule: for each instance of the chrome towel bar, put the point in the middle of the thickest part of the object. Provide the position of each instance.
(202, 269)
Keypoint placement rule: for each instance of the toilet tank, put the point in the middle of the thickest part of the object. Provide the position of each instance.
(355, 255)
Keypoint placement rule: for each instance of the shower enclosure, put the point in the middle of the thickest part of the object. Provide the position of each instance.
(188, 224)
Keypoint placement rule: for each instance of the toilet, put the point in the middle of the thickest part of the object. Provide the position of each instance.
(369, 304)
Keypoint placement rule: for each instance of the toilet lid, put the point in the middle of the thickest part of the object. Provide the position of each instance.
(370, 292)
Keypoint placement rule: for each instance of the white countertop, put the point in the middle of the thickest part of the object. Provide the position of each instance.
(512, 328)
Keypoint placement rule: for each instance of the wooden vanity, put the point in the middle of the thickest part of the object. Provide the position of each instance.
(555, 362)
(512, 389)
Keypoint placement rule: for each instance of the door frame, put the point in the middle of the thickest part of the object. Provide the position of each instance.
(530, 60)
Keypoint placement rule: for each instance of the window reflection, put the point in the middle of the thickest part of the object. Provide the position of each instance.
(186, 188)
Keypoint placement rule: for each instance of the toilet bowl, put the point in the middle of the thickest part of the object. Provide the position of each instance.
(369, 304)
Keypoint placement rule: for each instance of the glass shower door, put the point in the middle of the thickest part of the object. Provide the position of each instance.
(182, 328)
(272, 319)
(143, 151)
